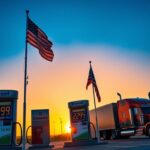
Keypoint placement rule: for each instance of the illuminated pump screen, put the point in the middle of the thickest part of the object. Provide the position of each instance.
(78, 115)
(5, 110)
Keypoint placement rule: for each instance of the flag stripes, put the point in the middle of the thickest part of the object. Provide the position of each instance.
(91, 80)
(38, 39)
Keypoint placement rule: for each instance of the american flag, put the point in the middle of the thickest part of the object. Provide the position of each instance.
(38, 39)
(91, 80)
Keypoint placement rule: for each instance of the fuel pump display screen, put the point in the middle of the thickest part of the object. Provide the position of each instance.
(5, 110)
(5, 123)
(79, 115)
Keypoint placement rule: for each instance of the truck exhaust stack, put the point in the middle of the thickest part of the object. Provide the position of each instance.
(119, 96)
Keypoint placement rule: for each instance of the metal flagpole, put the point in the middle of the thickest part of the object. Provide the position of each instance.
(97, 130)
(25, 90)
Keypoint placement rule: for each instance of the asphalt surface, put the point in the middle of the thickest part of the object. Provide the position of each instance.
(135, 143)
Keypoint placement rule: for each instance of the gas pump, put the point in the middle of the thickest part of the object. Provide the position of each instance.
(80, 125)
(79, 118)
(40, 129)
(8, 112)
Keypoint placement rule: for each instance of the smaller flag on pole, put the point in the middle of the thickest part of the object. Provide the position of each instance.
(91, 80)
(38, 39)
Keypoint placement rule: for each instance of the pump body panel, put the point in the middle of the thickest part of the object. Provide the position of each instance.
(79, 120)
(8, 112)
(40, 127)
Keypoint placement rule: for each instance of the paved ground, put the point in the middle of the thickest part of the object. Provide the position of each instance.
(139, 143)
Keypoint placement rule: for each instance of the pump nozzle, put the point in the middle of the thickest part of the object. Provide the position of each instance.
(119, 96)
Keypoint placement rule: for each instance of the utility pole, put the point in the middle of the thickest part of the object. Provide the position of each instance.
(54, 127)
(61, 122)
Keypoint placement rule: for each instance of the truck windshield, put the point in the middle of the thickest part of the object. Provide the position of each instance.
(146, 110)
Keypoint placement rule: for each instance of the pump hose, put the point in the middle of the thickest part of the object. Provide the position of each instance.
(13, 129)
(91, 124)
(28, 141)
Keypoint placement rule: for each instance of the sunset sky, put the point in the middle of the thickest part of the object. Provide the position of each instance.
(114, 35)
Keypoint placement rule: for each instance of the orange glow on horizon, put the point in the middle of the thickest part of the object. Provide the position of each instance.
(53, 84)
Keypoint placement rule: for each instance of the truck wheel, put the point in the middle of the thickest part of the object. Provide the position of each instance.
(114, 135)
(125, 137)
(148, 131)
(106, 136)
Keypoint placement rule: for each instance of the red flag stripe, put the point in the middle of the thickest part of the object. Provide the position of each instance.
(32, 40)
(35, 43)
(45, 56)
(43, 37)
(41, 49)
(32, 43)
(47, 52)
(91, 80)
(30, 34)
(38, 39)
(97, 93)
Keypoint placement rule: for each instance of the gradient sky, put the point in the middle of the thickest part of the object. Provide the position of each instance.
(115, 35)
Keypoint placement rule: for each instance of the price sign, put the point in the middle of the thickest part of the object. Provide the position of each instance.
(78, 115)
(5, 110)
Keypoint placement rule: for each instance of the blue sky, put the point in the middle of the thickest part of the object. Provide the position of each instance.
(120, 23)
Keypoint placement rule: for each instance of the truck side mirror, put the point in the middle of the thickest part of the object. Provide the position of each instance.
(149, 95)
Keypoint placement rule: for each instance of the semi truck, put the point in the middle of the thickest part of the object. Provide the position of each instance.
(125, 118)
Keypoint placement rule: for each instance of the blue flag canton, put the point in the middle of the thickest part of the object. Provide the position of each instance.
(32, 27)
(91, 76)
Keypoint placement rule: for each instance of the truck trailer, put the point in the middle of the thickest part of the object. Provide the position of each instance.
(125, 118)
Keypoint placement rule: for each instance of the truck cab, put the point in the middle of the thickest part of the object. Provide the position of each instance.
(134, 116)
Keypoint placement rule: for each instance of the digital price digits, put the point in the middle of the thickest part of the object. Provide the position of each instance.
(78, 116)
(5, 110)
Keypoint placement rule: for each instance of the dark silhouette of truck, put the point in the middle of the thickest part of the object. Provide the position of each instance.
(125, 118)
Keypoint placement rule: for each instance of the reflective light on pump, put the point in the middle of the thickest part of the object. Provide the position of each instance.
(74, 130)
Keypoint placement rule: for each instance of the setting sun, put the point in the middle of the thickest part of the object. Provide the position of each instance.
(67, 128)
